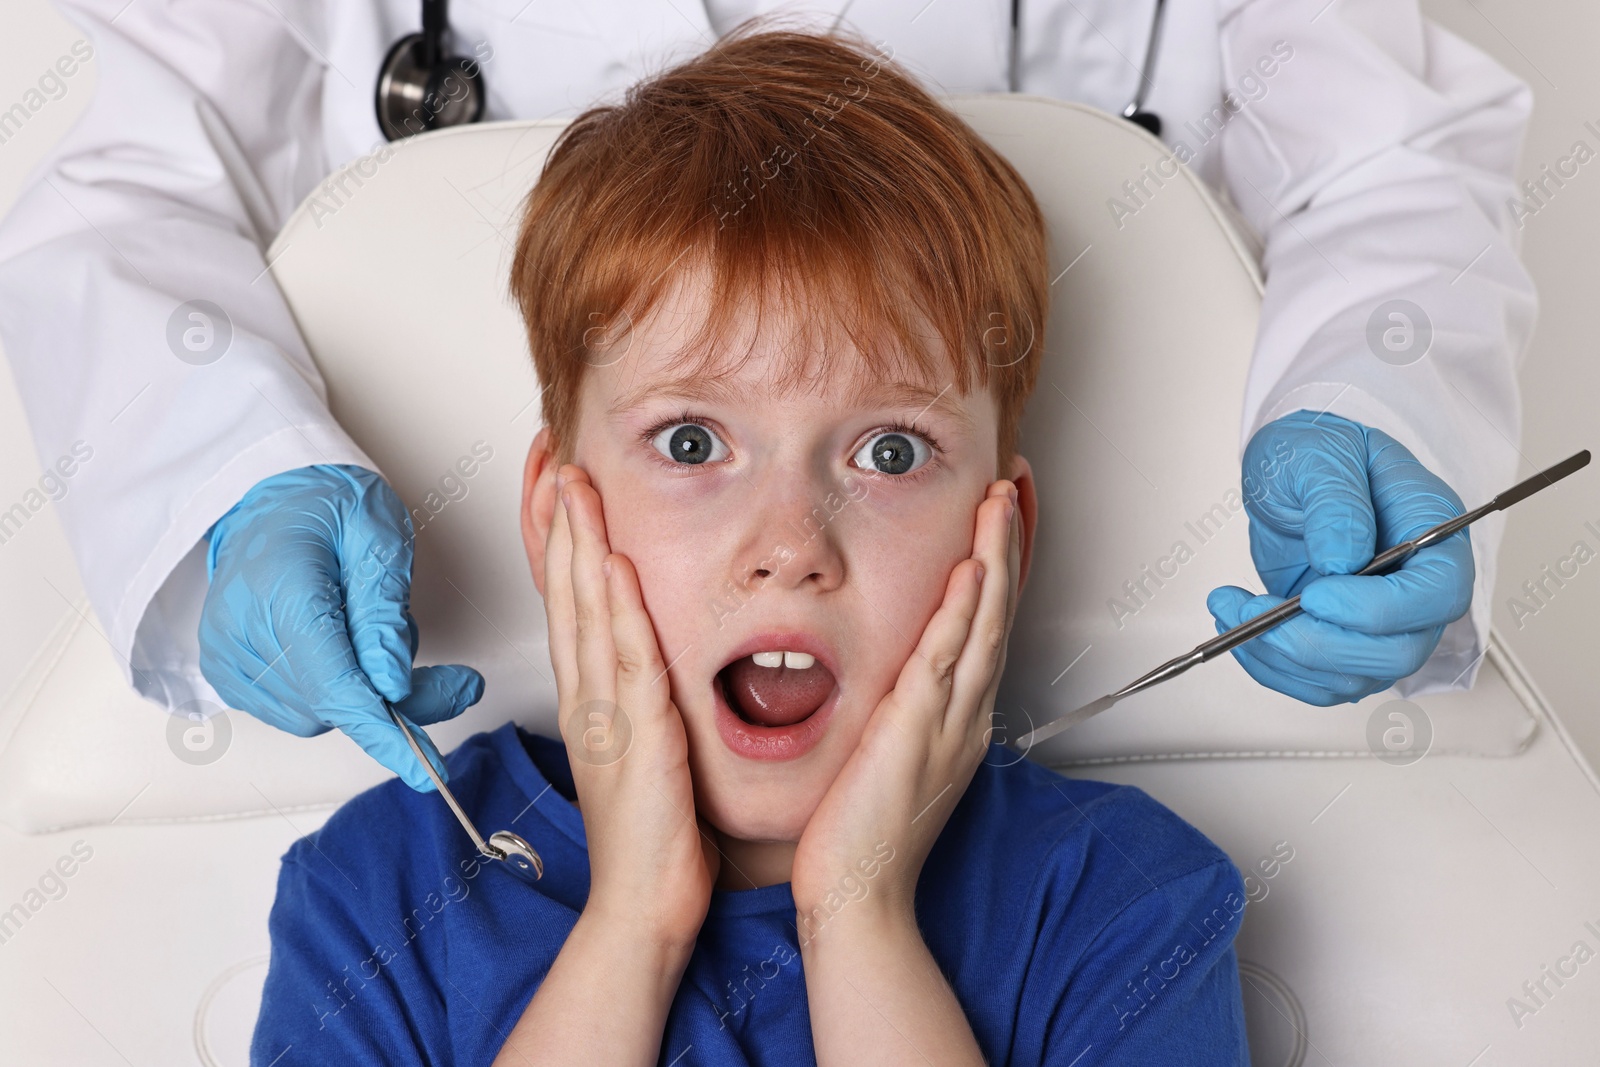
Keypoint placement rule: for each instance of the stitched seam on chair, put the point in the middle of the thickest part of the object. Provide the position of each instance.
(1529, 704)
(186, 820)
(61, 639)
(202, 1045)
(1271, 754)
(1521, 682)
(1521, 686)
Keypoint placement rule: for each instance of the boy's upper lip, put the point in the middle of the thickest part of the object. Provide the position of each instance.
(787, 641)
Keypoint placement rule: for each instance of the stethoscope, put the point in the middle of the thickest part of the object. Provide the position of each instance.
(420, 88)
(414, 79)
(1134, 112)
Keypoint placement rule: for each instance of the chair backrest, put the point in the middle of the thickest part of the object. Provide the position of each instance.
(1133, 434)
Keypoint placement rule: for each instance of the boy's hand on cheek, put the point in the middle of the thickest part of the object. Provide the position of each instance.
(651, 868)
(925, 739)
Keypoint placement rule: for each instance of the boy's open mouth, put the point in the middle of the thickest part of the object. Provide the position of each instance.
(777, 688)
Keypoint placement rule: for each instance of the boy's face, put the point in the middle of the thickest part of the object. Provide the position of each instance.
(807, 523)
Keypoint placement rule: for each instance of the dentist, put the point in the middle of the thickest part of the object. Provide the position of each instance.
(237, 545)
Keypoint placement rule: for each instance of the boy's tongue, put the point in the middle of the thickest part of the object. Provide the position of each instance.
(776, 696)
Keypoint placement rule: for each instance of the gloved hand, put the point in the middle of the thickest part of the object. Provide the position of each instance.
(307, 622)
(1324, 496)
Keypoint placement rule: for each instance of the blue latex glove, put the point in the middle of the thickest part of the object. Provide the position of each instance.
(1324, 496)
(307, 623)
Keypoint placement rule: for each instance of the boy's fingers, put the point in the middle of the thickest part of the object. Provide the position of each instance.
(641, 678)
(925, 681)
(597, 671)
(979, 666)
(1013, 593)
(558, 600)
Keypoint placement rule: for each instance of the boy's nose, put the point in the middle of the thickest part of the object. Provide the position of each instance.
(796, 541)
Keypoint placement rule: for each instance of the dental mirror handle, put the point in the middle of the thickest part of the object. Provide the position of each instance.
(1383, 562)
(503, 845)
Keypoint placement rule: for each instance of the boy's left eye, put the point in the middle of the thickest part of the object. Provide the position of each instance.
(894, 453)
(688, 443)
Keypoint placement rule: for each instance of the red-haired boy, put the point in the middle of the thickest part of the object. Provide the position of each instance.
(780, 302)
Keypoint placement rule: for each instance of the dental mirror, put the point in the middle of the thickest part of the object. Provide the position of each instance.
(503, 845)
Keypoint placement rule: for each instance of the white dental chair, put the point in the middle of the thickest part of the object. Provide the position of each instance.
(1397, 903)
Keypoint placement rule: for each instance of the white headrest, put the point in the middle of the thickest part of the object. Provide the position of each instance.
(1132, 434)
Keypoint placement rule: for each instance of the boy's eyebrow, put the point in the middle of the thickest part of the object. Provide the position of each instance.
(879, 394)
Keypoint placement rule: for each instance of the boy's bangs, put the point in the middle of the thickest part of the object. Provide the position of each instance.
(812, 188)
(832, 311)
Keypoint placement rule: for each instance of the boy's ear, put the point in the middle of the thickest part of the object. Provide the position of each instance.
(1028, 503)
(538, 502)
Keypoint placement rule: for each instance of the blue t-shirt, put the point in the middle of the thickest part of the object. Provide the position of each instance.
(1079, 923)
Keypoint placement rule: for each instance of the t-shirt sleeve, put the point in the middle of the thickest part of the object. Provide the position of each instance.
(333, 989)
(1159, 983)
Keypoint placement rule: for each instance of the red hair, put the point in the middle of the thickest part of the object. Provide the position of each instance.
(796, 166)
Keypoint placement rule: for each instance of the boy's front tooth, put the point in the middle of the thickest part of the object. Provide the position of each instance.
(768, 659)
(798, 661)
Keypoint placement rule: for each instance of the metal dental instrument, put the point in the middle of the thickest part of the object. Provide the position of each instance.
(1382, 563)
(504, 845)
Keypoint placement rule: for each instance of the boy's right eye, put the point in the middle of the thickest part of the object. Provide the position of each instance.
(688, 443)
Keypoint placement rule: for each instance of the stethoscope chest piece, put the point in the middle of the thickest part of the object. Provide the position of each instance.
(420, 88)
(1147, 119)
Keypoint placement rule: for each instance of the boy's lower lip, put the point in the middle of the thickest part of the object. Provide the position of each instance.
(770, 743)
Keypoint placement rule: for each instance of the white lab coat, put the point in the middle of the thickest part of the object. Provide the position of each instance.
(1378, 161)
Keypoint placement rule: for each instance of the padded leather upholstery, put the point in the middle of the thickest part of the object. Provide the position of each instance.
(1123, 433)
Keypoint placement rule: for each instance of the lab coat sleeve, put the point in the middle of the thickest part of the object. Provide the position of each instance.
(200, 138)
(1377, 163)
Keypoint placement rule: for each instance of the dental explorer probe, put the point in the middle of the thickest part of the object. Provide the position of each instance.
(504, 845)
(1382, 563)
